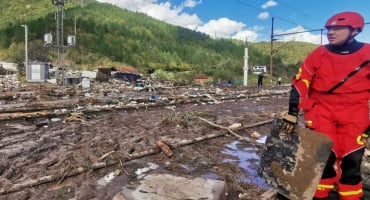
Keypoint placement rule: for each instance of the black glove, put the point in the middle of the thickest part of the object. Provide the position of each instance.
(289, 122)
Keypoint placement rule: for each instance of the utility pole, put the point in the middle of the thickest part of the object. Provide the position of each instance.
(59, 34)
(59, 17)
(246, 63)
(271, 46)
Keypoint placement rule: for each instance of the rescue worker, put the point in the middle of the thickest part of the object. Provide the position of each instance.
(332, 88)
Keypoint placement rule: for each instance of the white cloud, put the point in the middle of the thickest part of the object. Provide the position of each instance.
(221, 28)
(251, 36)
(304, 36)
(162, 11)
(269, 4)
(226, 28)
(175, 16)
(216, 28)
(133, 5)
(264, 15)
(191, 3)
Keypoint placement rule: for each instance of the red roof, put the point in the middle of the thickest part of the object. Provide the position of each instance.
(128, 69)
(200, 76)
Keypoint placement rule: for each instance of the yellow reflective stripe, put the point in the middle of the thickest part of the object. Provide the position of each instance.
(298, 76)
(306, 82)
(298, 73)
(349, 193)
(361, 139)
(323, 187)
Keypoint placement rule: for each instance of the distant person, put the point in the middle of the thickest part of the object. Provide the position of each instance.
(279, 81)
(260, 80)
(332, 88)
(229, 83)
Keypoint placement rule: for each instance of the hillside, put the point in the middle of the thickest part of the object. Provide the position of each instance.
(110, 36)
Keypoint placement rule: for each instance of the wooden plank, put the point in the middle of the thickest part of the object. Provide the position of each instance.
(293, 164)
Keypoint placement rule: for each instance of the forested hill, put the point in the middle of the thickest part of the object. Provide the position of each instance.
(108, 35)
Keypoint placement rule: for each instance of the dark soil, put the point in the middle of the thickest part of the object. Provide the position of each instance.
(125, 140)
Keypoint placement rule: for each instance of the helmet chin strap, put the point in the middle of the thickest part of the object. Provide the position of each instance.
(352, 36)
(349, 39)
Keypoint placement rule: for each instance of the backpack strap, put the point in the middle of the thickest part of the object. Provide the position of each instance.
(348, 76)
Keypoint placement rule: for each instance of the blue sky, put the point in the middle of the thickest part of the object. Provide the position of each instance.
(251, 19)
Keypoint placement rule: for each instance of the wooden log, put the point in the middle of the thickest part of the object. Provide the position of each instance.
(165, 148)
(33, 106)
(50, 178)
(23, 115)
(231, 131)
(13, 95)
(55, 177)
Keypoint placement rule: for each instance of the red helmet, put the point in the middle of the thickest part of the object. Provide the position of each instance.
(351, 19)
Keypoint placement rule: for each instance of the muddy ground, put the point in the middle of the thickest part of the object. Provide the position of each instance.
(67, 156)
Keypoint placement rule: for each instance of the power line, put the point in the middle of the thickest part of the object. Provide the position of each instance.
(299, 11)
(293, 33)
(313, 30)
(290, 22)
(249, 5)
(284, 19)
(263, 10)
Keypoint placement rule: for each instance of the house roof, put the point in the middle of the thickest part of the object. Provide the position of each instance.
(128, 69)
(200, 76)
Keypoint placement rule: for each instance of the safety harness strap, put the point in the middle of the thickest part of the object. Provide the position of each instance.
(349, 76)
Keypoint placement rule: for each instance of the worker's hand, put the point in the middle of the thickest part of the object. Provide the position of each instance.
(289, 122)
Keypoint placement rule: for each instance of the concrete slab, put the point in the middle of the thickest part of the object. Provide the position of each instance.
(170, 187)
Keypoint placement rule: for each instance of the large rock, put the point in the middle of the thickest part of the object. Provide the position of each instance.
(170, 187)
(366, 171)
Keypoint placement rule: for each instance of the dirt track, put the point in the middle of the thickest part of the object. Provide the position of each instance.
(65, 156)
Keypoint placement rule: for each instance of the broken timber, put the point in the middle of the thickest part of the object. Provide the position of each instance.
(95, 166)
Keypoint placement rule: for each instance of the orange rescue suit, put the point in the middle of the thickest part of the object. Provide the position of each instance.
(341, 112)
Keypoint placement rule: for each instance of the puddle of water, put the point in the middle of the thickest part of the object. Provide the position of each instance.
(107, 178)
(211, 175)
(141, 171)
(186, 167)
(262, 139)
(246, 158)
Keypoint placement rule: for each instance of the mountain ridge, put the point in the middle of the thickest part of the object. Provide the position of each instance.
(108, 35)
